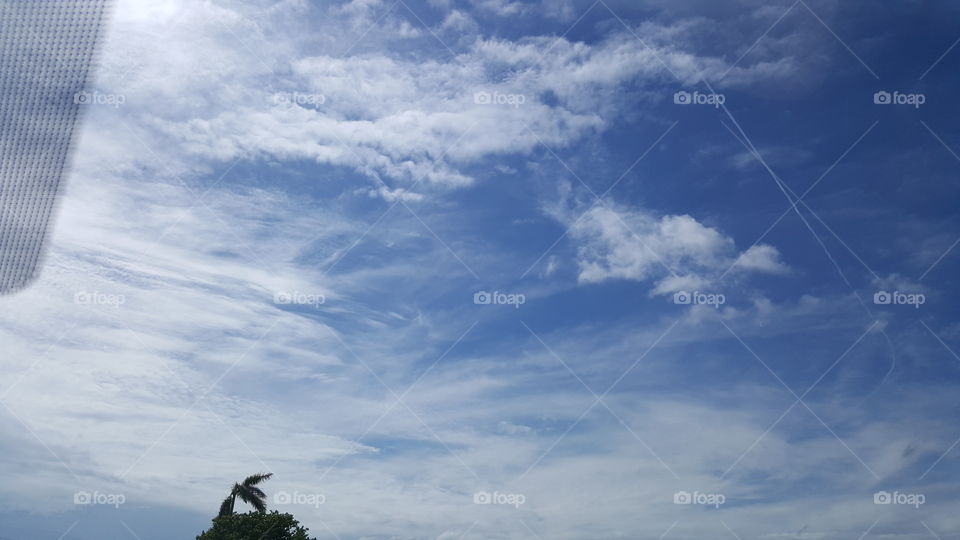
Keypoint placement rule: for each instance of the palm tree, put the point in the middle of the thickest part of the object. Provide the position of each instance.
(249, 493)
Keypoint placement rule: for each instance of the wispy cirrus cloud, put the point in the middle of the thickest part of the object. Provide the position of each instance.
(388, 116)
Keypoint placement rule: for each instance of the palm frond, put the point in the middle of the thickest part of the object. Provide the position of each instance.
(252, 498)
(256, 492)
(255, 479)
(248, 492)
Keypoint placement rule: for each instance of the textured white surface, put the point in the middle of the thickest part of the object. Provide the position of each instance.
(46, 52)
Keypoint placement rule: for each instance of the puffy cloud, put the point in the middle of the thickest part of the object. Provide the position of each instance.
(762, 258)
(676, 251)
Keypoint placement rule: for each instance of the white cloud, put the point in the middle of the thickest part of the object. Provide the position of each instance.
(762, 258)
(675, 251)
(210, 89)
(502, 8)
(896, 282)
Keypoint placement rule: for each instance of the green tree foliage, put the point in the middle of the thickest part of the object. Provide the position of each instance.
(256, 526)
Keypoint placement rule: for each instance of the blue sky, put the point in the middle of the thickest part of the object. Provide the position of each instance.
(267, 259)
